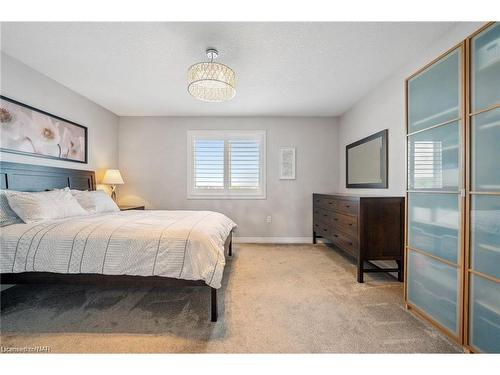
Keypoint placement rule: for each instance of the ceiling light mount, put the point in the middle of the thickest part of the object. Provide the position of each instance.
(212, 53)
(211, 81)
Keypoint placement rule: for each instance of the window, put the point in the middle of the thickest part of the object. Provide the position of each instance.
(226, 164)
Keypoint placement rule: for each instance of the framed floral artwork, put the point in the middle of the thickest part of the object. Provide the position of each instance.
(30, 131)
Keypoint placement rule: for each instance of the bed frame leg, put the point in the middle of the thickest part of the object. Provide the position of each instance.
(230, 250)
(214, 313)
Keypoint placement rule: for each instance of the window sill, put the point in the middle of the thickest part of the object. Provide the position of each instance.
(226, 197)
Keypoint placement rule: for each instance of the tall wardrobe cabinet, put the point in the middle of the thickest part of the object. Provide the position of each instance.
(452, 242)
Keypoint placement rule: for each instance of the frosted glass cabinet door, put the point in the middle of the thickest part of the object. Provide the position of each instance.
(485, 153)
(433, 288)
(486, 68)
(433, 222)
(433, 158)
(485, 234)
(434, 94)
(485, 315)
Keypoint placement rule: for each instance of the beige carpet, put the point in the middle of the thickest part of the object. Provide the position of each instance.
(275, 299)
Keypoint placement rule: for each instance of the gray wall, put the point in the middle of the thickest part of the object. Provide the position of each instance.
(28, 86)
(152, 157)
(20, 82)
(384, 108)
(152, 150)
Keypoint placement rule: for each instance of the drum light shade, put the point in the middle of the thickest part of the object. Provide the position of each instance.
(210, 81)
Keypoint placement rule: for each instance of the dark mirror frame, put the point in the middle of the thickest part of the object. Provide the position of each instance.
(384, 162)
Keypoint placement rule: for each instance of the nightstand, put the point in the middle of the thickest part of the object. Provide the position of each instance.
(128, 208)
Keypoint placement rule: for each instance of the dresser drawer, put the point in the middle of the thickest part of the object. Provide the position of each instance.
(347, 207)
(325, 203)
(321, 229)
(343, 241)
(339, 238)
(322, 214)
(346, 223)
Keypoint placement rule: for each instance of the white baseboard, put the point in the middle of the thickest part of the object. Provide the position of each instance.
(272, 239)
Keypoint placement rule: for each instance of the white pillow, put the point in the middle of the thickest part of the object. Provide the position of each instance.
(7, 216)
(46, 205)
(95, 201)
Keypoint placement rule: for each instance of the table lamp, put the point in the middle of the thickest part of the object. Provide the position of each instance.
(113, 177)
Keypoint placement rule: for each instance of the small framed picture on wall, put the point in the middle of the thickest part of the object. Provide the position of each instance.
(287, 163)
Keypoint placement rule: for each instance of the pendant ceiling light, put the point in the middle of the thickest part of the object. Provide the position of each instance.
(211, 81)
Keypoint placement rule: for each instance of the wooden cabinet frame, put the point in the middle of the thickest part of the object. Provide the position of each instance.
(465, 194)
(468, 189)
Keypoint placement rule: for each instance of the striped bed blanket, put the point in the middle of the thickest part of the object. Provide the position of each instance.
(186, 245)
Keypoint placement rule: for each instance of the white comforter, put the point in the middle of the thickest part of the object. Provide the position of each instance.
(181, 244)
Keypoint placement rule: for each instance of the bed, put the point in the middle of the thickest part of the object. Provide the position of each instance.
(136, 248)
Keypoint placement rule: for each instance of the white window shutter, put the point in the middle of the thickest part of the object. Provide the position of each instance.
(244, 164)
(226, 164)
(208, 163)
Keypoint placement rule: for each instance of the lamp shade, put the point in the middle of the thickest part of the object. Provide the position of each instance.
(211, 82)
(112, 177)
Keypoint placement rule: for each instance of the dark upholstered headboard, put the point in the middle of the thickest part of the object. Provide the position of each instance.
(28, 177)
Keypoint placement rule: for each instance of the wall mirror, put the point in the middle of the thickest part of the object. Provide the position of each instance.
(367, 162)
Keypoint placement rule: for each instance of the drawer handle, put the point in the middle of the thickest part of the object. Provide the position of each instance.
(335, 219)
(325, 215)
(335, 235)
(324, 230)
(350, 224)
(347, 206)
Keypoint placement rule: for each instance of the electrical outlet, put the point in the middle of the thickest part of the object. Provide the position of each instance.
(269, 219)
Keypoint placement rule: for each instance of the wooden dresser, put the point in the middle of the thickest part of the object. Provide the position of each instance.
(365, 227)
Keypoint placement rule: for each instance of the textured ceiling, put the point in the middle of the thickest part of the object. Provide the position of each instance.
(282, 69)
